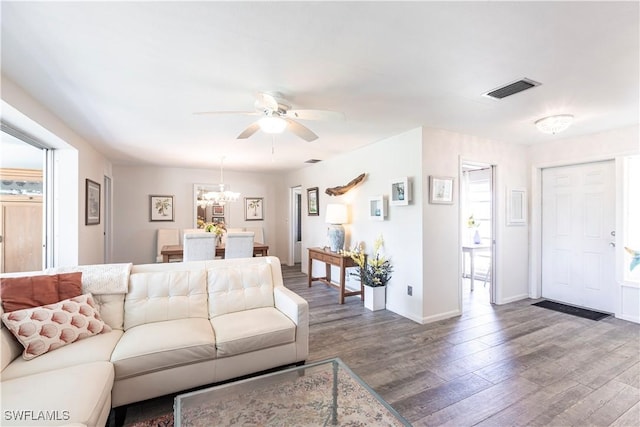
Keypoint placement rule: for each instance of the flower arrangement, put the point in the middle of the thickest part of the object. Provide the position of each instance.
(472, 223)
(218, 228)
(375, 270)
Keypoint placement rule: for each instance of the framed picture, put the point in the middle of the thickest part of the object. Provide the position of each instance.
(313, 207)
(217, 220)
(218, 210)
(516, 206)
(441, 190)
(253, 209)
(400, 192)
(160, 208)
(92, 203)
(377, 208)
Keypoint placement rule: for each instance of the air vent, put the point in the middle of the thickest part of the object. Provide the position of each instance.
(512, 88)
(313, 161)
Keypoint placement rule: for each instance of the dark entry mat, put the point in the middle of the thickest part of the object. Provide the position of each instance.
(580, 312)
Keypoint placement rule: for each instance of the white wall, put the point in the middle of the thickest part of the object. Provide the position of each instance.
(135, 236)
(422, 239)
(78, 160)
(382, 162)
(442, 155)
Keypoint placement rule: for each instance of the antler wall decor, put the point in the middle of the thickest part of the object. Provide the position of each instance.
(341, 189)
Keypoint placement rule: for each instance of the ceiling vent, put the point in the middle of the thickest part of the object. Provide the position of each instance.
(313, 161)
(512, 88)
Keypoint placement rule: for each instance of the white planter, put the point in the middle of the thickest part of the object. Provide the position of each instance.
(375, 297)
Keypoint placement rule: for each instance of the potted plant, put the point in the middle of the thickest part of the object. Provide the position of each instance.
(474, 226)
(374, 272)
(217, 228)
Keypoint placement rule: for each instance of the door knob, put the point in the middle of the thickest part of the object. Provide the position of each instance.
(612, 244)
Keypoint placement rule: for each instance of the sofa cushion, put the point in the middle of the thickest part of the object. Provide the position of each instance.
(163, 345)
(97, 348)
(10, 348)
(165, 295)
(78, 394)
(243, 285)
(46, 328)
(250, 330)
(111, 308)
(35, 291)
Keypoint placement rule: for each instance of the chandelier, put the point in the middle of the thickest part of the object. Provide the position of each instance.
(220, 197)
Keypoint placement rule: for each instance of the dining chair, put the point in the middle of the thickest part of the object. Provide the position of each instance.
(258, 234)
(166, 236)
(186, 231)
(239, 245)
(199, 246)
(230, 230)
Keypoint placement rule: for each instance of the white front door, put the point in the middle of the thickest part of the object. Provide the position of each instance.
(578, 219)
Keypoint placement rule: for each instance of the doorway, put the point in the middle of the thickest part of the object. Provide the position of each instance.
(578, 235)
(295, 233)
(107, 219)
(22, 196)
(477, 232)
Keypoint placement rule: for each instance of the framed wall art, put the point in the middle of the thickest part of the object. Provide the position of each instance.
(160, 208)
(377, 208)
(313, 205)
(253, 209)
(441, 190)
(400, 192)
(218, 210)
(92, 203)
(516, 206)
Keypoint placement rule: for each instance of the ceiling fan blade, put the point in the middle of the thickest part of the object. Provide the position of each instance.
(253, 128)
(265, 101)
(212, 113)
(314, 115)
(300, 130)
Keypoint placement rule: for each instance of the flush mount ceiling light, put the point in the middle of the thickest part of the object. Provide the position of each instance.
(554, 124)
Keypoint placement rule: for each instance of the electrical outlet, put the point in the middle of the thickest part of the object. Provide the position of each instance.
(409, 290)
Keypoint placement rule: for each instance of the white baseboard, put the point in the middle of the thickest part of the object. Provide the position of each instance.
(633, 319)
(425, 320)
(513, 299)
(440, 316)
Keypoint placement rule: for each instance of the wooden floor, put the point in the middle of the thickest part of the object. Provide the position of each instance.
(508, 365)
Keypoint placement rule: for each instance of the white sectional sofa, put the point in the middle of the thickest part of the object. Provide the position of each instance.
(178, 326)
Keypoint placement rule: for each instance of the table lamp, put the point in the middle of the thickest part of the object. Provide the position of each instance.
(336, 216)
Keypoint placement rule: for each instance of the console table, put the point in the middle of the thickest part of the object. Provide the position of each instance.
(341, 261)
(471, 249)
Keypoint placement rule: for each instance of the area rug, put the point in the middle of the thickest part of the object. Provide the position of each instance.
(162, 421)
(575, 311)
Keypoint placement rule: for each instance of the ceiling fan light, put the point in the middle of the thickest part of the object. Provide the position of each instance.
(272, 124)
(554, 124)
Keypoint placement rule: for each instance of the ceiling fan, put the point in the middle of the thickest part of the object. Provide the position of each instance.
(277, 117)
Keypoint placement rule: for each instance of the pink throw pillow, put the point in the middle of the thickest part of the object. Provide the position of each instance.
(46, 328)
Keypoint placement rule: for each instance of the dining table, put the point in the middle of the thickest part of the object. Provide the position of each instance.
(174, 252)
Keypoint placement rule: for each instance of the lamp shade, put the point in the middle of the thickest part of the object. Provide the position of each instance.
(336, 214)
(272, 124)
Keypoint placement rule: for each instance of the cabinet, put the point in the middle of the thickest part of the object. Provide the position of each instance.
(21, 220)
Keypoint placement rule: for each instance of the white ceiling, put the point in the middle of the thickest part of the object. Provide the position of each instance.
(128, 76)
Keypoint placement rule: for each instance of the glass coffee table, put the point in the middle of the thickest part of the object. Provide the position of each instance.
(324, 393)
